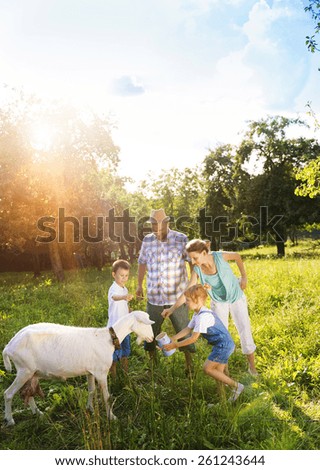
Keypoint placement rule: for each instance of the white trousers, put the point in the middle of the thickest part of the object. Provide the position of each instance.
(240, 315)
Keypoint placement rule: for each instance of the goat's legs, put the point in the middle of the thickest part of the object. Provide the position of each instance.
(23, 375)
(91, 389)
(104, 387)
(35, 410)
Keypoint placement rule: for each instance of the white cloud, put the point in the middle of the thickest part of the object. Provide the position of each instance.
(260, 19)
(276, 60)
(127, 86)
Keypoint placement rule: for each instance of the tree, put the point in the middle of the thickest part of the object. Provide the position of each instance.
(259, 207)
(310, 180)
(39, 178)
(181, 193)
(309, 175)
(280, 157)
(226, 180)
(19, 184)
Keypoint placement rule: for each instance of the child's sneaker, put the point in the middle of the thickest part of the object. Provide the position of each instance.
(237, 392)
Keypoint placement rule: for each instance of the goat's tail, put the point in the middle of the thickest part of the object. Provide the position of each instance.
(6, 360)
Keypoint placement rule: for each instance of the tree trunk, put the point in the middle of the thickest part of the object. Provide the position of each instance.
(131, 252)
(280, 249)
(36, 263)
(98, 255)
(123, 253)
(32, 248)
(67, 251)
(56, 260)
(215, 243)
(281, 237)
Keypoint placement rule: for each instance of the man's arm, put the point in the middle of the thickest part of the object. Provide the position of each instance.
(141, 273)
(181, 300)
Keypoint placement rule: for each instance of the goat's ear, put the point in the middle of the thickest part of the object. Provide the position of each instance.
(142, 316)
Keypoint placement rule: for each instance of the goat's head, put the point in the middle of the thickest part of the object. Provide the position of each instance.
(142, 326)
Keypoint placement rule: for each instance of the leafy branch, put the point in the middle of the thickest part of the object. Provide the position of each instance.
(314, 9)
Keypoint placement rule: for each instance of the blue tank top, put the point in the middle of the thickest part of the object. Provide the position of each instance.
(224, 284)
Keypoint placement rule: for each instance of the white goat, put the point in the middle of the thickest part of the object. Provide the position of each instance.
(56, 351)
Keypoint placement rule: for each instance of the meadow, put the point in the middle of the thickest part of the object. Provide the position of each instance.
(159, 407)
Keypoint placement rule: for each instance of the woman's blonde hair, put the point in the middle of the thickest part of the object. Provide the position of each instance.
(197, 245)
(197, 292)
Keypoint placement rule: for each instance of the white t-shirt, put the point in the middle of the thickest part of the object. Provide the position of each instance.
(200, 322)
(117, 308)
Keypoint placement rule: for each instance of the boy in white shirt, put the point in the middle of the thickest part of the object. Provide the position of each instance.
(204, 322)
(118, 298)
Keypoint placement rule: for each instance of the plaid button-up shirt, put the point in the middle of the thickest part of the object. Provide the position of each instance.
(167, 276)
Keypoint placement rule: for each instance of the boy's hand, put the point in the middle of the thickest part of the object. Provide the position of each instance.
(168, 347)
(129, 297)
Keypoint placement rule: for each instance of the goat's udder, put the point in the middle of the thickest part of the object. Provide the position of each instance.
(30, 389)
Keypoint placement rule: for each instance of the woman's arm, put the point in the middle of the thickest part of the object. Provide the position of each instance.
(233, 256)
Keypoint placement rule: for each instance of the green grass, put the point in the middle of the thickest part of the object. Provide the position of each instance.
(161, 408)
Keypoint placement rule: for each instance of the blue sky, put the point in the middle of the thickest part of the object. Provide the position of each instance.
(178, 76)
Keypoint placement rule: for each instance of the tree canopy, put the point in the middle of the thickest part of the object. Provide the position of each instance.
(241, 196)
(59, 166)
(52, 158)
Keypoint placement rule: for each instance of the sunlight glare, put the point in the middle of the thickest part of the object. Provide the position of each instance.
(41, 136)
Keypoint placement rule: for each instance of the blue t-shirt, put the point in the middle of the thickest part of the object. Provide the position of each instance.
(224, 284)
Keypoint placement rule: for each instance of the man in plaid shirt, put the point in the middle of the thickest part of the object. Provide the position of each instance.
(163, 257)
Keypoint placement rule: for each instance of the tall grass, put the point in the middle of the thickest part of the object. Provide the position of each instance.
(159, 407)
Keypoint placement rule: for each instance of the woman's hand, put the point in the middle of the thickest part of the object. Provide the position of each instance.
(243, 282)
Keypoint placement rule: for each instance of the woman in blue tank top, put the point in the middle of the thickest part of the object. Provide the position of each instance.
(225, 289)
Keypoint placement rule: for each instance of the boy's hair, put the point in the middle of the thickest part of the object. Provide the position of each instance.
(197, 292)
(197, 245)
(120, 264)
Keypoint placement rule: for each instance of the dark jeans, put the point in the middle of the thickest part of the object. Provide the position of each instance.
(179, 320)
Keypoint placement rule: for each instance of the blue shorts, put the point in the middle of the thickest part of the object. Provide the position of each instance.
(124, 351)
(221, 352)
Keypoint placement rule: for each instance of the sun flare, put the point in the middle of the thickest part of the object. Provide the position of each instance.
(41, 136)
